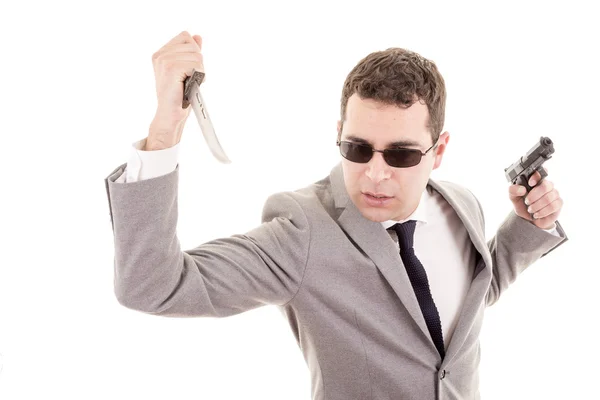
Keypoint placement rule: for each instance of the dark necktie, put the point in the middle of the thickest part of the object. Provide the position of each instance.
(419, 281)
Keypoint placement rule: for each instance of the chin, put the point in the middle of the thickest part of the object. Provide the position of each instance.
(375, 214)
(376, 217)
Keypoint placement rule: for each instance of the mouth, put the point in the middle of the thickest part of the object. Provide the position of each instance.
(377, 195)
(376, 199)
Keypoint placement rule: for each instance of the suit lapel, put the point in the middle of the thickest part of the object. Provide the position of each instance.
(475, 298)
(376, 243)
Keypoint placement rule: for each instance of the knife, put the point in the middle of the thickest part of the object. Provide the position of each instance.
(191, 95)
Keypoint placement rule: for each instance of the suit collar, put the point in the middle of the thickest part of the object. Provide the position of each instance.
(342, 201)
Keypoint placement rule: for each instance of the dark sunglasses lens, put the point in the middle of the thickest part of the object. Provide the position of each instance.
(356, 152)
(402, 158)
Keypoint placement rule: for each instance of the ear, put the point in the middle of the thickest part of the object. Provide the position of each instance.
(339, 126)
(441, 147)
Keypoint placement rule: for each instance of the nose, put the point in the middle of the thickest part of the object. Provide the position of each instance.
(378, 169)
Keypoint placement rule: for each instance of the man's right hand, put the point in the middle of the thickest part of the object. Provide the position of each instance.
(172, 63)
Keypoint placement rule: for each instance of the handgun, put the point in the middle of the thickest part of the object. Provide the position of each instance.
(520, 171)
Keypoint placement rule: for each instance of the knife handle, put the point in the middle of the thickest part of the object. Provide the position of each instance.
(196, 78)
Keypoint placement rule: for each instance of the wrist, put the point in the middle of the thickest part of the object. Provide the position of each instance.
(163, 134)
(154, 144)
(548, 228)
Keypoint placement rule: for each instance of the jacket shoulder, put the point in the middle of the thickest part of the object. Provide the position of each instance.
(315, 199)
(464, 196)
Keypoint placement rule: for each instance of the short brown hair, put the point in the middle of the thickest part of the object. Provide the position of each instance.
(400, 77)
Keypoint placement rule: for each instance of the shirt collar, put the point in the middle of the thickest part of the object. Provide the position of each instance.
(420, 213)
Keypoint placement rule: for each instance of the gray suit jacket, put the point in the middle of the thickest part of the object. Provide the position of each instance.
(337, 277)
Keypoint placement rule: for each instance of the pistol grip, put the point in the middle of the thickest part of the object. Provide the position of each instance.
(523, 180)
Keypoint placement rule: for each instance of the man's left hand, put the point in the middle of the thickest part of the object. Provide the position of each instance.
(544, 202)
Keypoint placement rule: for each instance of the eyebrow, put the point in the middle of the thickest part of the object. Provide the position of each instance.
(399, 143)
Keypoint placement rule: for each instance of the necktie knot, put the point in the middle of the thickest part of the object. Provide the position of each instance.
(406, 234)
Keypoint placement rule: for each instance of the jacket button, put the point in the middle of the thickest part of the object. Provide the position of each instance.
(443, 374)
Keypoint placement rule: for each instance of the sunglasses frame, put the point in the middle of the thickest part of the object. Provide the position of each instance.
(384, 151)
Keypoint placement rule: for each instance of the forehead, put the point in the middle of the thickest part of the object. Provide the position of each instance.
(396, 143)
(368, 121)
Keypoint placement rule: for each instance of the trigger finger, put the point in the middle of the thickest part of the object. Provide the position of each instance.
(535, 178)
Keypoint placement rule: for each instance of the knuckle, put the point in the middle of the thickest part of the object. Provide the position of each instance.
(186, 35)
(541, 214)
(548, 199)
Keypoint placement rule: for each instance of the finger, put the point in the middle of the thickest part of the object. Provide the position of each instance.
(536, 177)
(538, 192)
(176, 48)
(191, 61)
(179, 48)
(183, 37)
(198, 40)
(543, 201)
(169, 57)
(549, 210)
(179, 69)
(515, 192)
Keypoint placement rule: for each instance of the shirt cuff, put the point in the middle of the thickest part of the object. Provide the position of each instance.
(144, 164)
(552, 231)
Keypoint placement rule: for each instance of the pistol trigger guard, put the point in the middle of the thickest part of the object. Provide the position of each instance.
(524, 181)
(542, 172)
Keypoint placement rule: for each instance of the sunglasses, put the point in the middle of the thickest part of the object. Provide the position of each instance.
(398, 158)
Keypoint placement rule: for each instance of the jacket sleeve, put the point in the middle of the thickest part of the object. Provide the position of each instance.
(516, 245)
(219, 278)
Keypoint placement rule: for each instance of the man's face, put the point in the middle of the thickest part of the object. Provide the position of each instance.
(380, 126)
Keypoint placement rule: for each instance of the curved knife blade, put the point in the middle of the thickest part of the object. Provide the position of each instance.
(192, 95)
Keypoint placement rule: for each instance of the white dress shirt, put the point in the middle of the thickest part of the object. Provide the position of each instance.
(449, 261)
(149, 164)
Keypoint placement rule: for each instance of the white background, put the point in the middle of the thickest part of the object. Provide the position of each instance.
(77, 89)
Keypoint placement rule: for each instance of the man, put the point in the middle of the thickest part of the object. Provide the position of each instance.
(378, 313)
